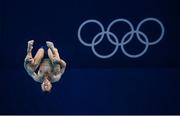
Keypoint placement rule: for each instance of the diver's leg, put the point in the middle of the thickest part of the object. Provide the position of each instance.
(51, 46)
(29, 57)
(30, 46)
(52, 52)
(54, 57)
(58, 64)
(29, 63)
(38, 57)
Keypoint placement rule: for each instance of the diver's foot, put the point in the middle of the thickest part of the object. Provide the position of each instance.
(50, 45)
(30, 45)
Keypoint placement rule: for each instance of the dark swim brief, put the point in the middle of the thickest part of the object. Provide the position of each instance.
(45, 51)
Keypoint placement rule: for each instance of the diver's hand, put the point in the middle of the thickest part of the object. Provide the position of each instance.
(29, 59)
(56, 60)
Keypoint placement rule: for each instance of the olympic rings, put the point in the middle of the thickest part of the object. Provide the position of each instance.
(125, 39)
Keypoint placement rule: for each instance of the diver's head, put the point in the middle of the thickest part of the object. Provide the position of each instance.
(46, 85)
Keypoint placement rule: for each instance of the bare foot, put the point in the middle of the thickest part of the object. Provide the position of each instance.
(30, 45)
(50, 44)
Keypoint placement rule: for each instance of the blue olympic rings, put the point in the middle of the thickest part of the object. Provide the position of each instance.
(125, 39)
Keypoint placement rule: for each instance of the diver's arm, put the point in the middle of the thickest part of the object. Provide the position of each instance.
(30, 71)
(62, 63)
(63, 66)
(57, 76)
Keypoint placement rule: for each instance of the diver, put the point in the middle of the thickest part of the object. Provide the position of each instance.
(50, 67)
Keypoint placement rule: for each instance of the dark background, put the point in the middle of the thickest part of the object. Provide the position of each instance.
(90, 85)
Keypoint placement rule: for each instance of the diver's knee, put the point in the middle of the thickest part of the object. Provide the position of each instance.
(41, 49)
(56, 50)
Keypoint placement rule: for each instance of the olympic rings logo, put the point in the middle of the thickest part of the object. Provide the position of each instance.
(125, 39)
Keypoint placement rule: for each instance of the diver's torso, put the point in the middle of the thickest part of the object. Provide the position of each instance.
(45, 69)
(46, 66)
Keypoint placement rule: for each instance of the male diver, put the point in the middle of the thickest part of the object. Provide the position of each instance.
(51, 67)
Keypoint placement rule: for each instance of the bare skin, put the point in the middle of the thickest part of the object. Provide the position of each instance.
(50, 70)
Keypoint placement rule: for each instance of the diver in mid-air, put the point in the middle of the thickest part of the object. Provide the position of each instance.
(51, 67)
